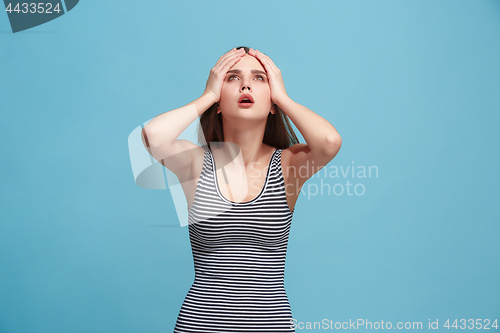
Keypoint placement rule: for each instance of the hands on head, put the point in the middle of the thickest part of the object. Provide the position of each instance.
(227, 61)
(218, 72)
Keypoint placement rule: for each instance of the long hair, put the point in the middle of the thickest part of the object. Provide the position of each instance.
(278, 133)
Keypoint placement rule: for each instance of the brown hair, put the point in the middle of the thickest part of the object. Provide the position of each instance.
(278, 133)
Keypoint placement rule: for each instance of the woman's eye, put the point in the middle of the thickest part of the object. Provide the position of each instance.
(258, 76)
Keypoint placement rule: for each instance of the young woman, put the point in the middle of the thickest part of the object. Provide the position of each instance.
(241, 188)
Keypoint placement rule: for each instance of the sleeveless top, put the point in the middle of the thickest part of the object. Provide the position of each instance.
(239, 251)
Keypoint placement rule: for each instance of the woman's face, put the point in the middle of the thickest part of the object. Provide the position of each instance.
(247, 76)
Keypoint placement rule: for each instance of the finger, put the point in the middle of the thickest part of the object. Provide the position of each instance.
(228, 54)
(228, 63)
(235, 55)
(259, 57)
(232, 54)
(222, 57)
(267, 66)
(229, 59)
(269, 63)
(263, 56)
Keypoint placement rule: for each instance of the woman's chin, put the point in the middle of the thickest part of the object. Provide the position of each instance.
(246, 113)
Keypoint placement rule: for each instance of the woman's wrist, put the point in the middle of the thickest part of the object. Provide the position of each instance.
(214, 95)
(211, 95)
(203, 102)
(281, 100)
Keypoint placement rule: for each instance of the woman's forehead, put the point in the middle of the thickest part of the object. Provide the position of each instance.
(247, 63)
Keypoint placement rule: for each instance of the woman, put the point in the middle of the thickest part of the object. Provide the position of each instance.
(241, 190)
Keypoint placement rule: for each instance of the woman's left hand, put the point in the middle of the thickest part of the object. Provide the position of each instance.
(274, 77)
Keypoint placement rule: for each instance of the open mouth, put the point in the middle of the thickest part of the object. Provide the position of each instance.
(245, 100)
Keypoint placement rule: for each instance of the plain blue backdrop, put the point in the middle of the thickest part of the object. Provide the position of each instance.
(411, 86)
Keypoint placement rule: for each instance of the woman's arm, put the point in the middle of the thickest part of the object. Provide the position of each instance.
(320, 135)
(323, 140)
(164, 129)
(160, 134)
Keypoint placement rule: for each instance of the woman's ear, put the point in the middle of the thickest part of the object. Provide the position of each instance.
(273, 110)
(218, 109)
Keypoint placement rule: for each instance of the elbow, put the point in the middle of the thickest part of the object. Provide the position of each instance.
(333, 144)
(147, 137)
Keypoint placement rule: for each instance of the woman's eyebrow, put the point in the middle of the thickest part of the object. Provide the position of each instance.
(254, 71)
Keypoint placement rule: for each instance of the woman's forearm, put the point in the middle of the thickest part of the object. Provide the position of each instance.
(319, 134)
(165, 128)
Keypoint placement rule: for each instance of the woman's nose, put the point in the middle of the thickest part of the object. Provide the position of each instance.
(245, 83)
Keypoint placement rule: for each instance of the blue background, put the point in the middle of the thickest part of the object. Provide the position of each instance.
(411, 86)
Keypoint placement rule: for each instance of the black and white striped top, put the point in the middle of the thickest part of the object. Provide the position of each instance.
(239, 252)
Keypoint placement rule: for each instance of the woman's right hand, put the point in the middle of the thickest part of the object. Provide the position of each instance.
(218, 72)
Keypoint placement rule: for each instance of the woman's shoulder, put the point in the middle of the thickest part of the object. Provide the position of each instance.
(287, 153)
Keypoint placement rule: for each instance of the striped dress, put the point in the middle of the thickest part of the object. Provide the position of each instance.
(239, 252)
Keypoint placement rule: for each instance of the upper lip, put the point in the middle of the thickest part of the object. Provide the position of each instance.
(242, 97)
